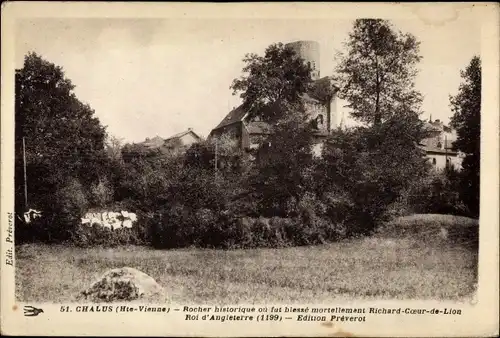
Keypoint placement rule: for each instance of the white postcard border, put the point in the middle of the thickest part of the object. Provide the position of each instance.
(477, 320)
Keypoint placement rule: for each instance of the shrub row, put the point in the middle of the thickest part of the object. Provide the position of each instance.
(180, 227)
(180, 202)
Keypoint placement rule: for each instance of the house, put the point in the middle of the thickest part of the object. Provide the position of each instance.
(247, 133)
(174, 143)
(439, 146)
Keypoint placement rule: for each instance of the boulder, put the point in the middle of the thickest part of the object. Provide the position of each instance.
(123, 284)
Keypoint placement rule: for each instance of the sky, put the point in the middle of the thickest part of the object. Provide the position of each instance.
(149, 77)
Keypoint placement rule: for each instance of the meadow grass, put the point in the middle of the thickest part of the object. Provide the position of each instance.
(378, 267)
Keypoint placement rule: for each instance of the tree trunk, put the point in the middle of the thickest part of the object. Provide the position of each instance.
(378, 117)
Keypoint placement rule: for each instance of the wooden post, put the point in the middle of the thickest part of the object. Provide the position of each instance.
(25, 178)
(446, 152)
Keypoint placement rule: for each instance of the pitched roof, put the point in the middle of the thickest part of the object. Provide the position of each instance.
(181, 134)
(157, 141)
(237, 114)
(233, 116)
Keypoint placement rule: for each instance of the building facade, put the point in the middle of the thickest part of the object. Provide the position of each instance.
(248, 133)
(439, 146)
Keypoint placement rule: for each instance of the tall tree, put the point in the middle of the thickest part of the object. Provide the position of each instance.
(271, 88)
(63, 139)
(466, 106)
(285, 170)
(377, 72)
(373, 165)
(372, 168)
(113, 146)
(272, 84)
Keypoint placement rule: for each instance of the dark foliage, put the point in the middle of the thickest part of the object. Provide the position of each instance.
(376, 74)
(64, 146)
(370, 168)
(466, 106)
(213, 195)
(273, 84)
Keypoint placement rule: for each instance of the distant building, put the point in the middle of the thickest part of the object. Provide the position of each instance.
(247, 133)
(439, 146)
(174, 143)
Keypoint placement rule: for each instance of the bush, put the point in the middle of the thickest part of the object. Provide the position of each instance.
(144, 180)
(171, 228)
(181, 226)
(101, 193)
(263, 234)
(437, 193)
(62, 216)
(338, 208)
(370, 168)
(434, 228)
(97, 235)
(249, 232)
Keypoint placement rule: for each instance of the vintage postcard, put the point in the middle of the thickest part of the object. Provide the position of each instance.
(249, 169)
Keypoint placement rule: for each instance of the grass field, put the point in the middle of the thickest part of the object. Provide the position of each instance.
(384, 266)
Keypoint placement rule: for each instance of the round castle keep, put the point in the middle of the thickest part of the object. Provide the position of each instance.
(309, 51)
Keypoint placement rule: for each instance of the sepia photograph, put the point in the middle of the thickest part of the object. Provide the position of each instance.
(208, 165)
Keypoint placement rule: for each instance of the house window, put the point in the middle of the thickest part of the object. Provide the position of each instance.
(434, 161)
(319, 119)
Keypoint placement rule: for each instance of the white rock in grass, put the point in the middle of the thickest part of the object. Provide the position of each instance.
(123, 284)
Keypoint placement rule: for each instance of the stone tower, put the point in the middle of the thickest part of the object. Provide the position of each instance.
(309, 51)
